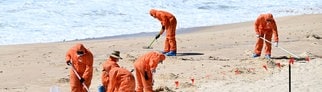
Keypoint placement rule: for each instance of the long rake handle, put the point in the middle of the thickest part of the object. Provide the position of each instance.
(151, 43)
(280, 48)
(79, 77)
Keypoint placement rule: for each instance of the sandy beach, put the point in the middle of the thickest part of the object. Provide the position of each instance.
(218, 58)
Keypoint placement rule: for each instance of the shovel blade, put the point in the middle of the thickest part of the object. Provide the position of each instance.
(147, 47)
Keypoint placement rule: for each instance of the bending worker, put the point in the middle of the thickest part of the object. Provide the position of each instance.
(110, 63)
(82, 61)
(169, 23)
(121, 80)
(144, 67)
(265, 27)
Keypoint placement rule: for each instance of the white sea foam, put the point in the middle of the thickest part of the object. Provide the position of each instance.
(40, 21)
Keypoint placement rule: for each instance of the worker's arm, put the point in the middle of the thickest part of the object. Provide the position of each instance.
(160, 33)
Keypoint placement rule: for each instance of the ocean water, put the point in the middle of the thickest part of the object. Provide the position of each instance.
(42, 21)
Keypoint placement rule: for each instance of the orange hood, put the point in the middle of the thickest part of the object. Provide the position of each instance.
(80, 47)
(153, 12)
(268, 16)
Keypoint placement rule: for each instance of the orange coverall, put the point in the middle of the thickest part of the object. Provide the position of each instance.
(83, 65)
(169, 23)
(265, 26)
(107, 66)
(144, 66)
(121, 80)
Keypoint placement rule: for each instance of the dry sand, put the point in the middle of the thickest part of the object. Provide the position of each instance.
(217, 57)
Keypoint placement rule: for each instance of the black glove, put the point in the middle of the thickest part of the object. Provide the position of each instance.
(68, 63)
(157, 36)
(146, 77)
(82, 80)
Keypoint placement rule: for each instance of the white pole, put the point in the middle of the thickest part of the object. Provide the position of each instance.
(79, 77)
(281, 48)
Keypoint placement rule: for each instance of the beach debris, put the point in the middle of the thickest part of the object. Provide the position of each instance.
(271, 64)
(96, 69)
(170, 76)
(315, 36)
(132, 60)
(63, 80)
(174, 76)
(217, 58)
(186, 85)
(129, 56)
(226, 65)
(163, 89)
(1, 71)
(186, 59)
(243, 70)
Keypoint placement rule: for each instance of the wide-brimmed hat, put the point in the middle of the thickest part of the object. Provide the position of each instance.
(116, 54)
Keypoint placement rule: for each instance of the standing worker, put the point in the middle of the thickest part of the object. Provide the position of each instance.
(144, 67)
(169, 23)
(82, 60)
(265, 27)
(121, 80)
(109, 65)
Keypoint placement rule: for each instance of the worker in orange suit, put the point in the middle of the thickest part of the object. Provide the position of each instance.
(169, 23)
(109, 65)
(265, 27)
(121, 80)
(82, 60)
(144, 67)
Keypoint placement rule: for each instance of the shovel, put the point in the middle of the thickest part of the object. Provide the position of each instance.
(281, 48)
(149, 47)
(73, 68)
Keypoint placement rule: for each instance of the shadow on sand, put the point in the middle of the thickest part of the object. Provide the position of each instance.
(286, 57)
(188, 54)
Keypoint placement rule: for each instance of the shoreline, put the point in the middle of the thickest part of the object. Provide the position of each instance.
(152, 34)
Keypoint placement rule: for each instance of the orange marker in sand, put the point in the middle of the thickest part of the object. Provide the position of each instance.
(291, 60)
(177, 84)
(278, 65)
(307, 59)
(265, 67)
(237, 72)
(192, 80)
